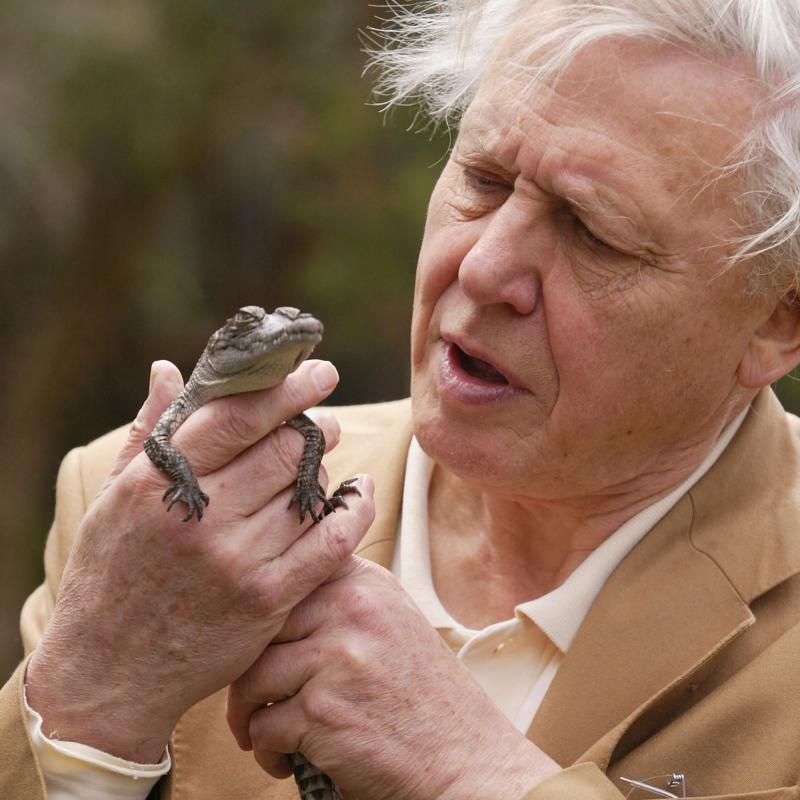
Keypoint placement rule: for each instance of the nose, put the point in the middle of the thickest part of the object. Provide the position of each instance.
(501, 266)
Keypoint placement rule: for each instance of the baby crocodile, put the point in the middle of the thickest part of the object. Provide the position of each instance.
(252, 350)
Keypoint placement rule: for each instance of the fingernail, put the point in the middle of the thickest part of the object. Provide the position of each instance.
(332, 430)
(325, 376)
(152, 376)
(367, 484)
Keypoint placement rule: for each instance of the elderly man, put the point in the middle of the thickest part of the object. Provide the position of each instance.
(581, 580)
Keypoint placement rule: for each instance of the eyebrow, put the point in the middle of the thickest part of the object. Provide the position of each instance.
(475, 147)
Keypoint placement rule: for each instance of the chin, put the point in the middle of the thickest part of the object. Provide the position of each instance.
(461, 449)
(453, 440)
(489, 456)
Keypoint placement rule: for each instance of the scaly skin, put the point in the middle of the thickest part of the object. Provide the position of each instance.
(311, 783)
(252, 350)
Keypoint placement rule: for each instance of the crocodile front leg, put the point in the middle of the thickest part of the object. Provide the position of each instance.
(309, 494)
(160, 450)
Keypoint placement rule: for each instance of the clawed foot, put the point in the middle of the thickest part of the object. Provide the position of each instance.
(192, 495)
(309, 499)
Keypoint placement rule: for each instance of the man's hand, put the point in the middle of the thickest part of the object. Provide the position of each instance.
(364, 687)
(154, 614)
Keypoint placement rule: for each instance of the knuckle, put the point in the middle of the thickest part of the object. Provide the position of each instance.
(138, 489)
(238, 421)
(261, 597)
(228, 564)
(317, 706)
(338, 539)
(244, 689)
(131, 484)
(359, 605)
(350, 655)
(258, 729)
(236, 699)
(140, 428)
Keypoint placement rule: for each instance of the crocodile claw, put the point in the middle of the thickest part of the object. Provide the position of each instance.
(192, 495)
(337, 498)
(308, 500)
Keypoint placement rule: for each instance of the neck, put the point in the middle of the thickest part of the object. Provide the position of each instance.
(517, 547)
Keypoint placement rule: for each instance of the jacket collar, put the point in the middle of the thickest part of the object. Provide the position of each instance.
(680, 597)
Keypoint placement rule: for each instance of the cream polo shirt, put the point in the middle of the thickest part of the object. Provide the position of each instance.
(514, 660)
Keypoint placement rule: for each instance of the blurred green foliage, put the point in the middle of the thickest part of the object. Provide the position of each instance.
(162, 164)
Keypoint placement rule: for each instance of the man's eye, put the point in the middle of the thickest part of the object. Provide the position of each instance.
(589, 237)
(484, 181)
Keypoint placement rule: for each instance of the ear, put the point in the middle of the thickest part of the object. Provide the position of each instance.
(774, 348)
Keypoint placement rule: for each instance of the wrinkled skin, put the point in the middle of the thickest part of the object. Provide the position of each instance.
(154, 614)
(360, 665)
(574, 242)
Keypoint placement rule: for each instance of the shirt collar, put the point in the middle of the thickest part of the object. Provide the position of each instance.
(558, 613)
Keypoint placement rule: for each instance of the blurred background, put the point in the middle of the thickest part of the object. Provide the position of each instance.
(161, 164)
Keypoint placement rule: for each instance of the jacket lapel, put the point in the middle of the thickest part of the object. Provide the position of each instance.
(661, 614)
(679, 598)
(376, 441)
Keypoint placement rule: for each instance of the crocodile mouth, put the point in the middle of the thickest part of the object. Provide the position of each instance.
(306, 331)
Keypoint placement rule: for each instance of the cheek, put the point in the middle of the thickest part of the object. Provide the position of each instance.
(644, 361)
(442, 251)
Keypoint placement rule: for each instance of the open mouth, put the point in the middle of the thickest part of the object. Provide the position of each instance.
(478, 368)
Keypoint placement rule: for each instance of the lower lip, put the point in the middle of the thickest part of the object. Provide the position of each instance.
(455, 382)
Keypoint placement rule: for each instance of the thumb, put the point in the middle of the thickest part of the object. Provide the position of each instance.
(165, 384)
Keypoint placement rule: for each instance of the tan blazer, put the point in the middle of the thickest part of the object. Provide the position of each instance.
(688, 661)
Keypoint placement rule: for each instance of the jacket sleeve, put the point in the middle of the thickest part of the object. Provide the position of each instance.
(579, 782)
(20, 776)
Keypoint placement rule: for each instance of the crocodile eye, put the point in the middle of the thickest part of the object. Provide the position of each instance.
(249, 315)
(289, 312)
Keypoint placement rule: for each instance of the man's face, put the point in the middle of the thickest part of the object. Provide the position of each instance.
(574, 328)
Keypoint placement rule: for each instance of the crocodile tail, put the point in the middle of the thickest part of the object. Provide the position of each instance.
(311, 782)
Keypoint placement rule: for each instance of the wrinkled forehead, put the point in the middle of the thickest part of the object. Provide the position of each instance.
(672, 102)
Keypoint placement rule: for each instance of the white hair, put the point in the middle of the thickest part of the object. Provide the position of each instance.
(433, 54)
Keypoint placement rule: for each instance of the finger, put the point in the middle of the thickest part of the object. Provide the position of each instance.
(307, 616)
(275, 730)
(278, 674)
(165, 384)
(275, 764)
(219, 431)
(276, 526)
(281, 580)
(269, 466)
(284, 571)
(314, 611)
(323, 548)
